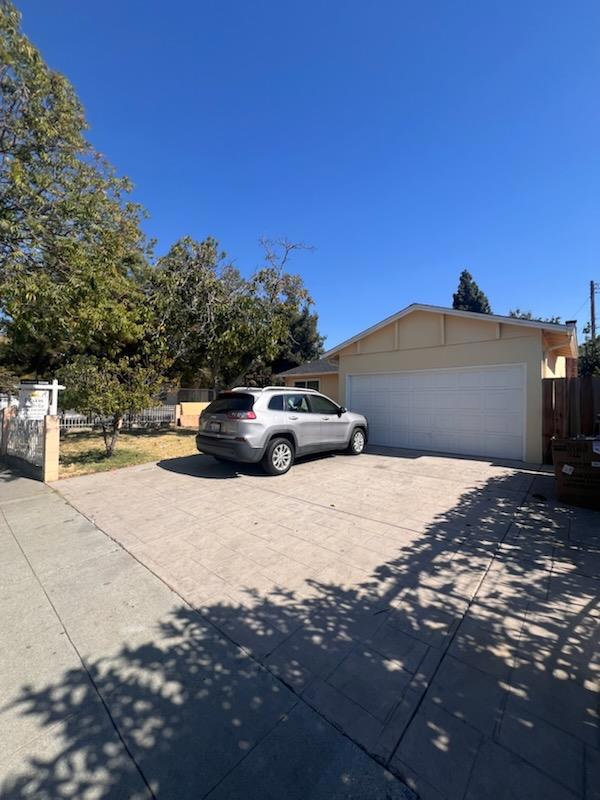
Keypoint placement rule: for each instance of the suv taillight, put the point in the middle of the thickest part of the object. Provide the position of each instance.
(241, 415)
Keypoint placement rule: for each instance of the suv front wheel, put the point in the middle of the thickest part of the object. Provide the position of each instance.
(279, 457)
(357, 442)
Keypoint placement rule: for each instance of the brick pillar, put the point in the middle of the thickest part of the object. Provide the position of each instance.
(7, 413)
(51, 449)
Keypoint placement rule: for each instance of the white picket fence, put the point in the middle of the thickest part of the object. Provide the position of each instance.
(158, 415)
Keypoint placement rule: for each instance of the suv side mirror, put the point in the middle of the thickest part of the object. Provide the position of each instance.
(341, 410)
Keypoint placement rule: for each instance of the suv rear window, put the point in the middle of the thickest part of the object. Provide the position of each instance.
(230, 401)
(276, 403)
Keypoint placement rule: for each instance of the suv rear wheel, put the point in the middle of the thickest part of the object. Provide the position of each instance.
(279, 457)
(357, 442)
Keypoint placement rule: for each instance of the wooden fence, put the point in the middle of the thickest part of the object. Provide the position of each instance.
(570, 407)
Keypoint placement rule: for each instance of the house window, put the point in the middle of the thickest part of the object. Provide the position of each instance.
(314, 384)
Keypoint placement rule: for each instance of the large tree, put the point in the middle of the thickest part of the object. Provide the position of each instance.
(469, 297)
(72, 254)
(219, 325)
(302, 342)
(69, 239)
(78, 295)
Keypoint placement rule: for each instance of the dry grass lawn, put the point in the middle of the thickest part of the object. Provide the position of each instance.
(82, 452)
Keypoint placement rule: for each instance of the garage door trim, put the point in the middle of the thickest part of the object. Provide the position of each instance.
(520, 364)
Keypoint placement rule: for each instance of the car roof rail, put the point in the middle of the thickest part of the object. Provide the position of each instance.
(290, 389)
(273, 389)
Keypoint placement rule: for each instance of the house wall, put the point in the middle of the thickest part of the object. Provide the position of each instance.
(328, 383)
(433, 341)
(188, 414)
(554, 366)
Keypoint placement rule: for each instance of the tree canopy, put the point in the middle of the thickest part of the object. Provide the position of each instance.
(517, 313)
(589, 355)
(469, 297)
(80, 292)
(218, 323)
(72, 254)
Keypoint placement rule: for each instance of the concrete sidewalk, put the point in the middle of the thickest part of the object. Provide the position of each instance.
(112, 687)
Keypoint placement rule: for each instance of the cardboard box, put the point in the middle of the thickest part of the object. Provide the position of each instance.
(577, 471)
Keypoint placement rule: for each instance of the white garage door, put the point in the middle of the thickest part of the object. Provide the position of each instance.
(474, 411)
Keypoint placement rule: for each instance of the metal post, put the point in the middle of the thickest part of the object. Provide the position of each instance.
(54, 398)
(593, 310)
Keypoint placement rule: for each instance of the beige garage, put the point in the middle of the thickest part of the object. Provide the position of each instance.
(452, 381)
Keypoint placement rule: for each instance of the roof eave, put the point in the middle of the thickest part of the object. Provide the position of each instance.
(307, 374)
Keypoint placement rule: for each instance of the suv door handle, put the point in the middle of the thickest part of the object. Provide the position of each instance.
(293, 417)
(325, 419)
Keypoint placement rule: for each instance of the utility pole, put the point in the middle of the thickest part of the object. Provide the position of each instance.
(593, 289)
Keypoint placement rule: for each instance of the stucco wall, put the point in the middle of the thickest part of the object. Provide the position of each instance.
(554, 366)
(188, 414)
(328, 383)
(486, 350)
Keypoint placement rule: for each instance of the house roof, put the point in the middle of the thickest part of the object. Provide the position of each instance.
(319, 367)
(568, 331)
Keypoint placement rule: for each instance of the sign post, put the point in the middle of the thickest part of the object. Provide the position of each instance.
(38, 399)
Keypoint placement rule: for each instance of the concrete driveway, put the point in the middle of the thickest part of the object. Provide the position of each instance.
(441, 612)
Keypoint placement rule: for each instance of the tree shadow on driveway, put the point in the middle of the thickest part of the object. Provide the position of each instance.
(464, 663)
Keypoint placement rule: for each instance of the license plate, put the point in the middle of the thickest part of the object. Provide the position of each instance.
(214, 427)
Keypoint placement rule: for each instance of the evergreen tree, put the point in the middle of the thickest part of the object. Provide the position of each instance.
(469, 297)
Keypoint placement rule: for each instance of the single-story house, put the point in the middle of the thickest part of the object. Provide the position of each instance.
(434, 378)
(321, 375)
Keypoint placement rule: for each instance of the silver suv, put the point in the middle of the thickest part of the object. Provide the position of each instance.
(276, 424)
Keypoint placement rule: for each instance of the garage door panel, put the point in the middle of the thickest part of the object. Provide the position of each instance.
(503, 447)
(501, 399)
(503, 424)
(470, 379)
(503, 378)
(461, 400)
(469, 411)
(400, 400)
(422, 420)
(423, 399)
(399, 382)
(420, 440)
(467, 424)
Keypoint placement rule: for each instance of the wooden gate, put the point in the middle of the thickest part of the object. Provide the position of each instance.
(570, 407)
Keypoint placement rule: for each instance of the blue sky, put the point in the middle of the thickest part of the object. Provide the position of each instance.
(404, 140)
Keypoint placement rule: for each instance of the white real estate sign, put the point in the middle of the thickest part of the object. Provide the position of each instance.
(470, 411)
(38, 399)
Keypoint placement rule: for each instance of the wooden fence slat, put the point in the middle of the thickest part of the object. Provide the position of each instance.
(570, 407)
(595, 403)
(560, 408)
(586, 404)
(547, 418)
(574, 407)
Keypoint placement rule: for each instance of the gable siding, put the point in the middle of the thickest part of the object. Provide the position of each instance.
(378, 342)
(419, 329)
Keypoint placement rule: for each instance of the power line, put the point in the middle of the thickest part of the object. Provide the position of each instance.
(585, 301)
